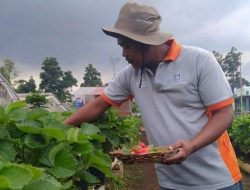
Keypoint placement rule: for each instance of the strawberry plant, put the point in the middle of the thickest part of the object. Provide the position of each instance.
(119, 130)
(240, 135)
(27, 177)
(240, 132)
(64, 152)
(66, 155)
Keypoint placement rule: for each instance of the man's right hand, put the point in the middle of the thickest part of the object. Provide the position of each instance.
(89, 112)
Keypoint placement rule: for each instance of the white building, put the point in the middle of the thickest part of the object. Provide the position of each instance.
(242, 100)
(244, 91)
(7, 93)
(87, 93)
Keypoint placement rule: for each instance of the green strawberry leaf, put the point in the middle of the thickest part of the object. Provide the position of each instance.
(17, 175)
(65, 165)
(12, 106)
(29, 126)
(89, 129)
(34, 141)
(72, 134)
(7, 150)
(36, 113)
(89, 178)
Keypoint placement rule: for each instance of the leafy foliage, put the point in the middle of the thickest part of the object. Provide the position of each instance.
(37, 100)
(26, 86)
(91, 77)
(8, 70)
(36, 137)
(26, 177)
(240, 132)
(135, 108)
(54, 80)
(118, 130)
(51, 155)
(230, 64)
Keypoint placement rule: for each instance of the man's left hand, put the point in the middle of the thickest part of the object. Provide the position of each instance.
(184, 148)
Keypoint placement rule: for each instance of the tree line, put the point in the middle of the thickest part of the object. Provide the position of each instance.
(58, 82)
(53, 79)
(231, 65)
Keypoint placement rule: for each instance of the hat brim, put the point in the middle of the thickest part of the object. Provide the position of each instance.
(156, 39)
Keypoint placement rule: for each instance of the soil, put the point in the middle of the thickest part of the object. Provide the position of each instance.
(139, 177)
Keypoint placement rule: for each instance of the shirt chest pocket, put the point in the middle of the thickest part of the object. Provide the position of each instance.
(176, 92)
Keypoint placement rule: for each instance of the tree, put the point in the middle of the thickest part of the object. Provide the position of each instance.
(54, 80)
(26, 86)
(8, 70)
(219, 57)
(230, 64)
(66, 83)
(91, 77)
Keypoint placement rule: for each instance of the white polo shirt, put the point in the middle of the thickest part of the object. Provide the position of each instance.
(175, 104)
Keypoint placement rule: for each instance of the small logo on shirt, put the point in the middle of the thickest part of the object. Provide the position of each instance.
(177, 77)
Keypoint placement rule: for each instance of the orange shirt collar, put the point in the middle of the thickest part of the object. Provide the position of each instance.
(173, 52)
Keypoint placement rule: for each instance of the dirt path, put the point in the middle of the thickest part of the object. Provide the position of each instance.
(139, 177)
(246, 180)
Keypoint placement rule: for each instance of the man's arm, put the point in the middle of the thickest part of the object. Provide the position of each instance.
(88, 112)
(221, 119)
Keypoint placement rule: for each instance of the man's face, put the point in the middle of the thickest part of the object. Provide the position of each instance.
(134, 52)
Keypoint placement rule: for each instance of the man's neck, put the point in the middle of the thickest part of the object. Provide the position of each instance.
(160, 54)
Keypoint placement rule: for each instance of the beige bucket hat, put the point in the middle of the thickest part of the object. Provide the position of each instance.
(140, 23)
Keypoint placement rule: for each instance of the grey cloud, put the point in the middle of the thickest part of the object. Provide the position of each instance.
(71, 30)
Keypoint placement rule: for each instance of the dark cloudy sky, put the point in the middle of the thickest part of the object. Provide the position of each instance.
(70, 30)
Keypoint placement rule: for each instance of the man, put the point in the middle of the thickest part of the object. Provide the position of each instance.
(184, 99)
